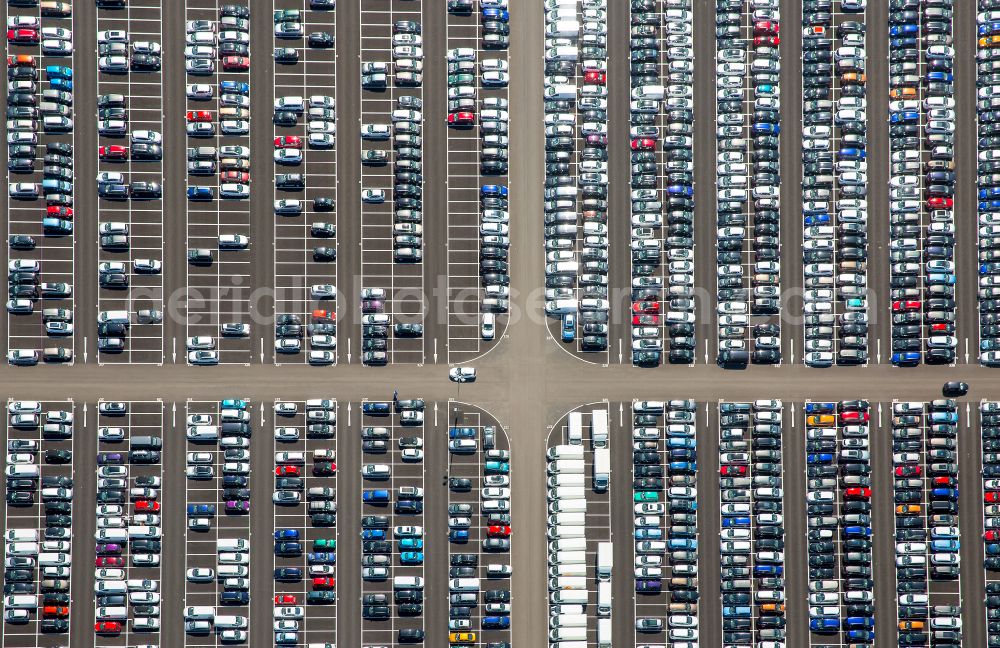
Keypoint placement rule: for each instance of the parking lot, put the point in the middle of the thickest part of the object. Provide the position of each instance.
(391, 215)
(747, 178)
(305, 219)
(485, 545)
(579, 524)
(305, 514)
(477, 184)
(392, 567)
(218, 236)
(129, 450)
(835, 187)
(665, 509)
(41, 523)
(41, 260)
(217, 524)
(130, 226)
(576, 162)
(662, 165)
(838, 510)
(922, 186)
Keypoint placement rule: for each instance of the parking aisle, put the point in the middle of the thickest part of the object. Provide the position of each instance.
(580, 551)
(576, 161)
(130, 475)
(217, 530)
(219, 236)
(747, 111)
(392, 571)
(305, 142)
(834, 186)
(305, 517)
(477, 145)
(40, 185)
(391, 178)
(479, 525)
(38, 533)
(130, 223)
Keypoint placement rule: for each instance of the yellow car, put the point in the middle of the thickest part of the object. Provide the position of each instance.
(990, 41)
(911, 625)
(461, 637)
(821, 420)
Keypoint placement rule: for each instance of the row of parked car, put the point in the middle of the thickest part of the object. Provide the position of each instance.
(665, 511)
(37, 560)
(834, 187)
(990, 430)
(988, 178)
(839, 523)
(576, 282)
(925, 491)
(661, 115)
(922, 182)
(752, 535)
(747, 187)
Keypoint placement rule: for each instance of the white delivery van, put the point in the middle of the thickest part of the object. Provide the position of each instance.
(106, 587)
(21, 602)
(556, 481)
(564, 452)
(568, 583)
(568, 557)
(604, 633)
(567, 467)
(462, 585)
(232, 544)
(567, 492)
(568, 506)
(116, 613)
(199, 613)
(567, 531)
(568, 634)
(569, 621)
(568, 544)
(233, 622)
(563, 28)
(573, 569)
(605, 557)
(567, 518)
(408, 582)
(602, 469)
(202, 433)
(604, 599)
(568, 597)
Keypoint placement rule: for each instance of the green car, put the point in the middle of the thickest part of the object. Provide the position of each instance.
(287, 15)
(324, 544)
(646, 496)
(461, 79)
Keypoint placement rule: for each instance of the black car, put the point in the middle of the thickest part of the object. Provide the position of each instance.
(321, 39)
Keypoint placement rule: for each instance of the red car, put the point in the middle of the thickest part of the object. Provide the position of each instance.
(498, 531)
(595, 76)
(457, 118)
(59, 212)
(146, 506)
(284, 599)
(902, 306)
(644, 144)
(234, 176)
(768, 41)
(321, 315)
(21, 59)
(324, 582)
(945, 480)
(645, 320)
(109, 561)
(199, 116)
(236, 63)
(55, 611)
(853, 417)
(907, 471)
(22, 36)
(288, 141)
(991, 497)
(646, 307)
(941, 327)
(286, 471)
(733, 471)
(858, 493)
(940, 202)
(991, 536)
(107, 627)
(113, 152)
(769, 27)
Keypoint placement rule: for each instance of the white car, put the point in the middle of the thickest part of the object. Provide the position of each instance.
(323, 291)
(462, 374)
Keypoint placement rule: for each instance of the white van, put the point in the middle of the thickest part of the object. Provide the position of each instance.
(567, 467)
(234, 558)
(233, 622)
(54, 559)
(655, 92)
(144, 531)
(605, 557)
(567, 518)
(555, 481)
(568, 557)
(199, 613)
(105, 587)
(21, 602)
(567, 531)
(202, 433)
(232, 571)
(569, 621)
(562, 306)
(568, 597)
(21, 535)
(568, 544)
(567, 492)
(113, 317)
(573, 569)
(568, 583)
(231, 544)
(489, 326)
(568, 506)
(564, 452)
(414, 582)
(562, 28)
(604, 633)
(459, 584)
(146, 624)
(604, 599)
(22, 549)
(571, 634)
(22, 471)
(116, 613)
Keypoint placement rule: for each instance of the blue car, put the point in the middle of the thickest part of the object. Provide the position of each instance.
(824, 624)
(947, 546)
(760, 571)
(903, 30)
(569, 327)
(741, 521)
(680, 190)
(682, 544)
(198, 510)
(377, 496)
(458, 536)
(287, 574)
(766, 129)
(373, 534)
(941, 77)
(908, 359)
(686, 467)
(866, 636)
(820, 458)
(648, 534)
(993, 549)
(680, 442)
(852, 153)
(200, 193)
(411, 544)
(287, 548)
(740, 611)
(941, 279)
(497, 467)
(900, 43)
(286, 534)
(989, 28)
(500, 622)
(989, 193)
(58, 72)
(461, 433)
(820, 408)
(905, 116)
(856, 531)
(856, 622)
(766, 89)
(944, 417)
(494, 190)
(238, 87)
(66, 85)
(496, 14)
(322, 558)
(817, 219)
(52, 225)
(376, 408)
(411, 557)
(233, 403)
(990, 205)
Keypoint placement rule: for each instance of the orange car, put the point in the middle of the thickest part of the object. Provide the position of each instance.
(772, 608)
(903, 93)
(908, 509)
(911, 625)
(324, 315)
(853, 77)
(990, 41)
(21, 59)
